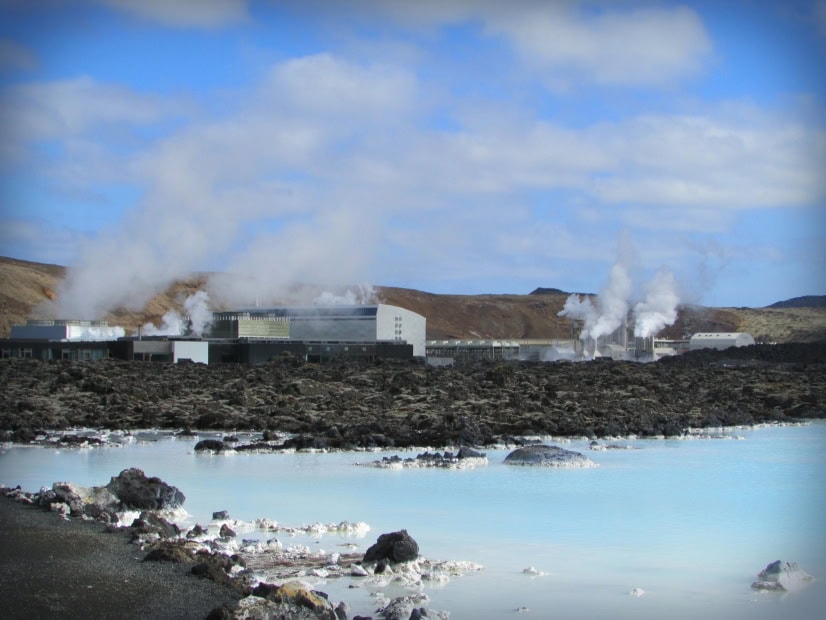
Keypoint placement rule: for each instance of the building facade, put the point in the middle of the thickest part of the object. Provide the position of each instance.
(349, 324)
(720, 340)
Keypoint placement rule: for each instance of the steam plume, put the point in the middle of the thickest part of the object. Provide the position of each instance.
(610, 311)
(197, 319)
(659, 309)
(359, 295)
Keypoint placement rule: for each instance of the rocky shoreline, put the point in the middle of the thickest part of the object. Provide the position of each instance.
(240, 578)
(386, 405)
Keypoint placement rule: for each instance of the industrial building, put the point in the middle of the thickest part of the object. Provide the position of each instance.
(244, 324)
(449, 352)
(313, 333)
(720, 340)
(346, 324)
(162, 349)
(651, 349)
(36, 329)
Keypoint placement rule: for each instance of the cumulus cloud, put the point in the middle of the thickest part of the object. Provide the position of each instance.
(329, 170)
(63, 108)
(645, 46)
(184, 13)
(571, 43)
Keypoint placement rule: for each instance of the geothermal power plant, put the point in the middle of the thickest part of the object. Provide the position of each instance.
(324, 333)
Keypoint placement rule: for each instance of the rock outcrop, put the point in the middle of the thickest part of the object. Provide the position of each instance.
(293, 600)
(782, 576)
(393, 547)
(548, 456)
(131, 490)
(464, 458)
(138, 492)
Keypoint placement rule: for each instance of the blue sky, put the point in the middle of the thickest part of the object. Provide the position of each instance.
(450, 146)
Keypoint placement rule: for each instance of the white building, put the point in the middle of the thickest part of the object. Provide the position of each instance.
(373, 323)
(720, 340)
(161, 349)
(67, 330)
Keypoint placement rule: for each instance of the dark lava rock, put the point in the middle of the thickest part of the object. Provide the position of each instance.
(394, 547)
(351, 406)
(469, 453)
(215, 445)
(151, 523)
(547, 456)
(137, 492)
(220, 515)
(169, 552)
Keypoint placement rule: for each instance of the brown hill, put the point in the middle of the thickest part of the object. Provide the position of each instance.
(24, 285)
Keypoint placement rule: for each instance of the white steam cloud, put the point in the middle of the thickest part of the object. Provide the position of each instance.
(360, 295)
(195, 322)
(659, 308)
(610, 310)
(98, 333)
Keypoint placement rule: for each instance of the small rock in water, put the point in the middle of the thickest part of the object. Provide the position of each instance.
(394, 547)
(227, 531)
(637, 592)
(356, 570)
(221, 515)
(547, 456)
(533, 572)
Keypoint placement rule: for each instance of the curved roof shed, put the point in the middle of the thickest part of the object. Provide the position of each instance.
(722, 340)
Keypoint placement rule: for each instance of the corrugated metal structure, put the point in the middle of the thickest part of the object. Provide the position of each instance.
(249, 325)
(162, 349)
(351, 324)
(651, 349)
(36, 329)
(449, 352)
(720, 340)
(48, 350)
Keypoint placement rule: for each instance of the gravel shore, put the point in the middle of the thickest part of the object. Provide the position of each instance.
(50, 567)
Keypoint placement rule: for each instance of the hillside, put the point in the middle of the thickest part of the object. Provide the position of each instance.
(24, 285)
(807, 301)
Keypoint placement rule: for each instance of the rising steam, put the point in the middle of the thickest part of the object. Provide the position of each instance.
(659, 309)
(356, 296)
(610, 310)
(194, 322)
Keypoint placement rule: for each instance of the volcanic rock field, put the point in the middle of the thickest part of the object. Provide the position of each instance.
(392, 404)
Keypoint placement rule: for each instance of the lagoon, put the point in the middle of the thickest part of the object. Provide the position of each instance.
(688, 521)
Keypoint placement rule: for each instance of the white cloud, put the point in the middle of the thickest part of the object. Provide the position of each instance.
(58, 109)
(327, 171)
(184, 13)
(14, 56)
(647, 46)
(573, 43)
(713, 161)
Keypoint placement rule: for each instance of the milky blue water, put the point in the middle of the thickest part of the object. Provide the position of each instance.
(691, 522)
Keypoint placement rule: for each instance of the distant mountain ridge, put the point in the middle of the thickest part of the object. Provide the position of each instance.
(807, 301)
(25, 284)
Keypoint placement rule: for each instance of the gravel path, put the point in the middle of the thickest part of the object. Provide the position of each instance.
(51, 568)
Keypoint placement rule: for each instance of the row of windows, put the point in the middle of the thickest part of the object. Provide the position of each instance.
(72, 355)
(347, 348)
